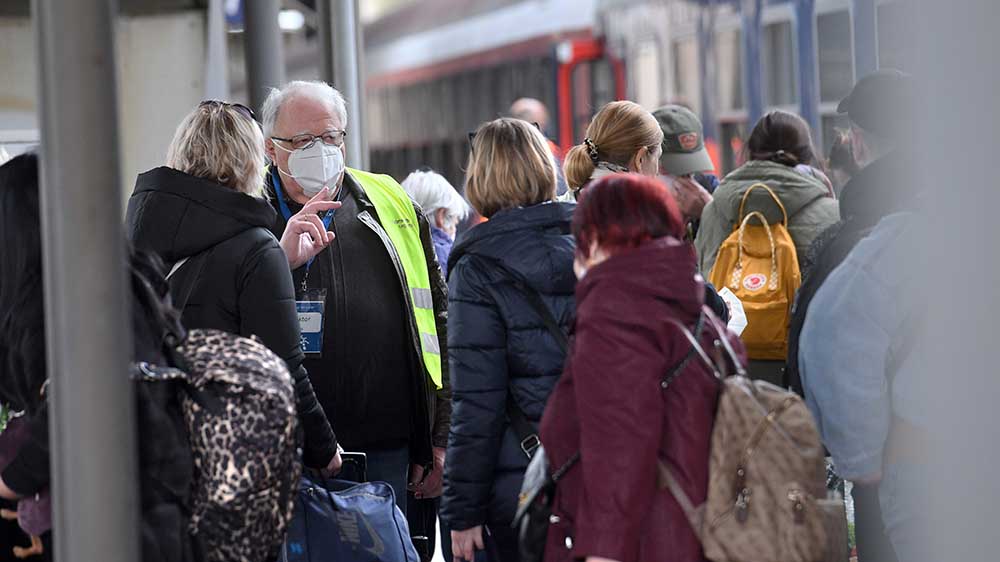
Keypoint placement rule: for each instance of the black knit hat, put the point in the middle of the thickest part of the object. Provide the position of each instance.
(880, 103)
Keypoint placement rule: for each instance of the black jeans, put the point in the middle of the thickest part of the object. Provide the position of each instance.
(869, 532)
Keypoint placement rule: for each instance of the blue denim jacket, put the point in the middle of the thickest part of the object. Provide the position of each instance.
(854, 323)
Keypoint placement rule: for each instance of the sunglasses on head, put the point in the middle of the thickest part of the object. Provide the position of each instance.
(239, 107)
(472, 134)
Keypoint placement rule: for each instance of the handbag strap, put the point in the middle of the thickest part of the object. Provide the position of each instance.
(519, 422)
(534, 299)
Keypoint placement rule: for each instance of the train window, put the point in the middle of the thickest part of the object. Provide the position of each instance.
(778, 64)
(687, 80)
(892, 51)
(836, 64)
(602, 83)
(583, 109)
(647, 89)
(730, 75)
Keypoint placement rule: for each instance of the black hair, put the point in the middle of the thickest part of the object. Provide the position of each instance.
(783, 138)
(22, 306)
(155, 323)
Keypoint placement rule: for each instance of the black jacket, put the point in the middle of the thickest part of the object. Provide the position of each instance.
(432, 409)
(245, 286)
(499, 346)
(878, 190)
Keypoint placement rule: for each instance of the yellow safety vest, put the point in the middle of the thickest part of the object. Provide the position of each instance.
(399, 221)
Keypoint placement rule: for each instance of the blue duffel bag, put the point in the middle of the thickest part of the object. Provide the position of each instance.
(345, 521)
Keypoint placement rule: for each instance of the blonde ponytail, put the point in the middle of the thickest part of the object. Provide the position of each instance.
(578, 167)
(614, 135)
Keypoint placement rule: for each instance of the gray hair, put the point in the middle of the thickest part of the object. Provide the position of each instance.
(315, 89)
(432, 192)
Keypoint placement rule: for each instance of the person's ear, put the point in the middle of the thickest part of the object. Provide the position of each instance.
(639, 158)
(269, 149)
(441, 218)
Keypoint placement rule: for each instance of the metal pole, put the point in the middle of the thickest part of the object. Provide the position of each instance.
(805, 23)
(341, 26)
(750, 15)
(865, 37)
(94, 489)
(262, 43)
(325, 22)
(707, 64)
(216, 55)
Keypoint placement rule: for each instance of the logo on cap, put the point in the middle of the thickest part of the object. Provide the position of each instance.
(688, 141)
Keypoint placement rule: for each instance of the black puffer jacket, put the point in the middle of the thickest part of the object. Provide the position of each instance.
(245, 286)
(499, 345)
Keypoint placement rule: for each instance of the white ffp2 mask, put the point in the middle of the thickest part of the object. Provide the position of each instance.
(314, 167)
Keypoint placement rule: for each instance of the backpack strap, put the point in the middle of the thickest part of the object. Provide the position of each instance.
(676, 371)
(667, 479)
(186, 287)
(777, 200)
(519, 422)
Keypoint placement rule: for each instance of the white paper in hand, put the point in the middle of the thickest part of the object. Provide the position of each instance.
(737, 316)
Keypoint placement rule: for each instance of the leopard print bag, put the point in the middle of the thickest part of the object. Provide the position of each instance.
(239, 408)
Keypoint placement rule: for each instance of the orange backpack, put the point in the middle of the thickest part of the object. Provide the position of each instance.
(759, 264)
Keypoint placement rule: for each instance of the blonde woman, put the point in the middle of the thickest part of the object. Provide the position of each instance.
(502, 355)
(207, 206)
(623, 137)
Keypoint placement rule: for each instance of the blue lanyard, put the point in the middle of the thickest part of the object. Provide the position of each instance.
(287, 213)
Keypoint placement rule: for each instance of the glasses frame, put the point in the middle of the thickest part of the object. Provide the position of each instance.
(342, 132)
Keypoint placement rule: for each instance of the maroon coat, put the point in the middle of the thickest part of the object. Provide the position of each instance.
(609, 405)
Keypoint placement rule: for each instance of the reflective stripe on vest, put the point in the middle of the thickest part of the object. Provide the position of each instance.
(399, 220)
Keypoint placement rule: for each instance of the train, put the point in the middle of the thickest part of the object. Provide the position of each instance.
(438, 68)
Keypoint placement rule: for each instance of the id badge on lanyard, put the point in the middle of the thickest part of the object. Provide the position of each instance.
(310, 304)
(311, 307)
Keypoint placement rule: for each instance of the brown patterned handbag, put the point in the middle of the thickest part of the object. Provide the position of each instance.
(767, 497)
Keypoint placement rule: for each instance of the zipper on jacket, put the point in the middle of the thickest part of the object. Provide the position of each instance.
(373, 224)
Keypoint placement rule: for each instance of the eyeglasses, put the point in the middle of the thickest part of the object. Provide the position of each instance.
(333, 137)
(239, 107)
(472, 134)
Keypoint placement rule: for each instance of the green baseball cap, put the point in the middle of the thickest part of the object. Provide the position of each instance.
(683, 141)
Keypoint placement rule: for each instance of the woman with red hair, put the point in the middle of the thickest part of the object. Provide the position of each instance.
(630, 401)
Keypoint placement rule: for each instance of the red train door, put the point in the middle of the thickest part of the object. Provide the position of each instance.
(587, 77)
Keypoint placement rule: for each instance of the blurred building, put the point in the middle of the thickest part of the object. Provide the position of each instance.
(435, 69)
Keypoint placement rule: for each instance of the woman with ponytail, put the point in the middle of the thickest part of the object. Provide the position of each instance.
(622, 137)
(779, 154)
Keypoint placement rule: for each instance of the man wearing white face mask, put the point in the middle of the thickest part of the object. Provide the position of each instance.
(371, 297)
